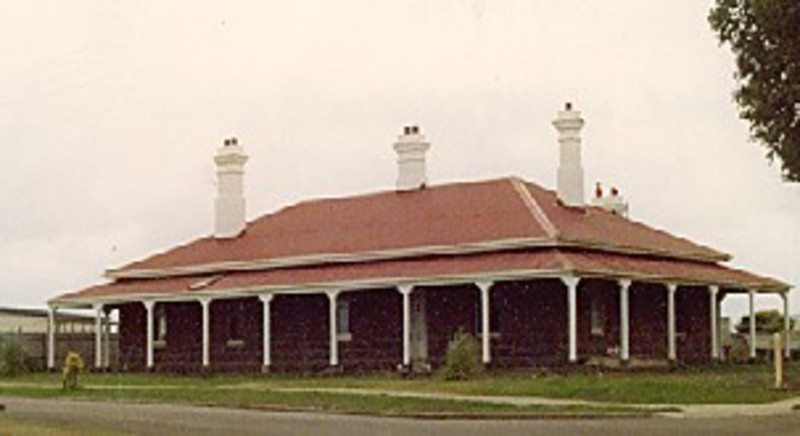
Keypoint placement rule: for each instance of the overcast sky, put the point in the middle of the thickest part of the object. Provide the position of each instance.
(110, 113)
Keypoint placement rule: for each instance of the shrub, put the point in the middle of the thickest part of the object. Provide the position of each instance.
(463, 359)
(13, 358)
(739, 351)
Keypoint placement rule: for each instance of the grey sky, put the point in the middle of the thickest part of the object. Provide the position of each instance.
(110, 113)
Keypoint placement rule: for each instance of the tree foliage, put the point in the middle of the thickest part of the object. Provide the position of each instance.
(767, 321)
(765, 38)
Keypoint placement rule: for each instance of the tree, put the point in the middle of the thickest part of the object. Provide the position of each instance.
(767, 321)
(765, 38)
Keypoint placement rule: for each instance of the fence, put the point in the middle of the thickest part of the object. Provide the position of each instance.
(35, 346)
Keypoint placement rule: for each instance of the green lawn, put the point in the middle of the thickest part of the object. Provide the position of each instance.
(720, 384)
(713, 385)
(306, 401)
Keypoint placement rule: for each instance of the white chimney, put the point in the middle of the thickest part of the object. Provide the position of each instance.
(411, 148)
(570, 172)
(229, 204)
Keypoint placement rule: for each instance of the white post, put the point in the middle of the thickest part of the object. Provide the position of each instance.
(787, 326)
(98, 336)
(265, 303)
(672, 349)
(484, 288)
(777, 344)
(405, 290)
(334, 343)
(205, 303)
(624, 320)
(148, 305)
(572, 315)
(712, 300)
(752, 322)
(51, 337)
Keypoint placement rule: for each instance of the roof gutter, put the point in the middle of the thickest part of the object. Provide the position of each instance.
(402, 253)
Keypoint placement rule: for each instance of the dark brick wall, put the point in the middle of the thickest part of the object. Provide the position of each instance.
(376, 327)
(648, 321)
(132, 338)
(299, 325)
(448, 310)
(530, 323)
(182, 350)
(605, 294)
(236, 335)
(693, 321)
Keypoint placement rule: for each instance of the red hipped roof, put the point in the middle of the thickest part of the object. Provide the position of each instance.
(448, 215)
(492, 227)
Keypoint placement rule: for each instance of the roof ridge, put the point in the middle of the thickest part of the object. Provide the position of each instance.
(373, 194)
(533, 207)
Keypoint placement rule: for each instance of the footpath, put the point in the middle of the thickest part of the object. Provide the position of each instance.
(686, 410)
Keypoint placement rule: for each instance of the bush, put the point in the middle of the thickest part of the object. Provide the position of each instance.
(739, 351)
(463, 359)
(13, 358)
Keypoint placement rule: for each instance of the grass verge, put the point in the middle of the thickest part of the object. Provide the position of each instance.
(748, 384)
(319, 402)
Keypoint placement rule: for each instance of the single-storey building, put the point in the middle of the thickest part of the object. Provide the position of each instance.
(384, 280)
(19, 320)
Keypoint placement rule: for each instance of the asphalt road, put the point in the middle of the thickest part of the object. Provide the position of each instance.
(152, 419)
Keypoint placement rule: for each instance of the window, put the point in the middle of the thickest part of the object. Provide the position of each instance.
(160, 332)
(236, 324)
(343, 320)
(598, 316)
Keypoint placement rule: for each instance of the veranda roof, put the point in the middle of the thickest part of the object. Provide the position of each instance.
(432, 270)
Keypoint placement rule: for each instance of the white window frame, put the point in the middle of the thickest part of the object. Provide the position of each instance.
(597, 316)
(161, 326)
(343, 333)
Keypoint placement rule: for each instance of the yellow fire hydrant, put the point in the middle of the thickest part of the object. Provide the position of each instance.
(73, 365)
